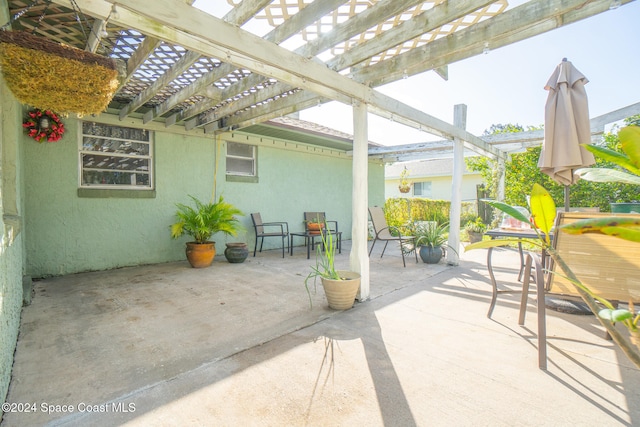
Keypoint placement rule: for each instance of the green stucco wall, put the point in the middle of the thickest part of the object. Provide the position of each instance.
(10, 308)
(11, 237)
(66, 233)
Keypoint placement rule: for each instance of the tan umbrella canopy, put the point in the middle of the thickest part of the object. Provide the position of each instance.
(566, 126)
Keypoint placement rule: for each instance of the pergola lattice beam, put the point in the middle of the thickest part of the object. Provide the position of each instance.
(427, 21)
(361, 22)
(245, 12)
(187, 27)
(522, 22)
(518, 141)
(291, 26)
(346, 30)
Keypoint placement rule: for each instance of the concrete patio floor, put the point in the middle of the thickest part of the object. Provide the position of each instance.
(237, 344)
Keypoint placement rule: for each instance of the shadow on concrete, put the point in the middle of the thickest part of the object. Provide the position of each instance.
(239, 344)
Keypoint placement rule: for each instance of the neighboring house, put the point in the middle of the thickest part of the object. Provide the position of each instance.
(431, 180)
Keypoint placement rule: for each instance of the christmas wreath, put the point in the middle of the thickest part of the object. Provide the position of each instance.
(43, 125)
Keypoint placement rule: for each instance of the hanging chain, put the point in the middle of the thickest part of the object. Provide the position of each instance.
(76, 10)
(18, 15)
(44, 12)
(79, 13)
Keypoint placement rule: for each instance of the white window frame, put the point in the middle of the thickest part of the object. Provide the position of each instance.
(252, 159)
(421, 184)
(122, 157)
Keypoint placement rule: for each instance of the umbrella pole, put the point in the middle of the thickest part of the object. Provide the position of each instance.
(566, 198)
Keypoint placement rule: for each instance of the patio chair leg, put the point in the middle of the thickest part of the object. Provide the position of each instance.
(372, 245)
(255, 246)
(384, 249)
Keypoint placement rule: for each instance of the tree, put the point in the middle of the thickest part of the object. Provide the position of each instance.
(522, 171)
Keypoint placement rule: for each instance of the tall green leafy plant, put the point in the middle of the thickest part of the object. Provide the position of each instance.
(627, 160)
(206, 219)
(325, 261)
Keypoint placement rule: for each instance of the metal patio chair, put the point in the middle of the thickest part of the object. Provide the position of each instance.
(383, 232)
(269, 229)
(310, 233)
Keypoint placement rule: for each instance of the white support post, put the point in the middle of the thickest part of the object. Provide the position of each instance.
(359, 257)
(501, 175)
(460, 121)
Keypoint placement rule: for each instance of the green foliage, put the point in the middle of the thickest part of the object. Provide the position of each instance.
(476, 226)
(405, 184)
(627, 160)
(206, 219)
(325, 262)
(469, 216)
(401, 211)
(431, 234)
(508, 128)
(522, 171)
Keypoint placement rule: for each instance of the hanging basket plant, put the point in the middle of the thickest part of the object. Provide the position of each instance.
(43, 125)
(51, 76)
(405, 184)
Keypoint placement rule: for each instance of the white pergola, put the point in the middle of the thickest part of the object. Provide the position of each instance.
(182, 67)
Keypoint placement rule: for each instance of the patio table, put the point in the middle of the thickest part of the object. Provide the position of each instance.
(310, 240)
(523, 233)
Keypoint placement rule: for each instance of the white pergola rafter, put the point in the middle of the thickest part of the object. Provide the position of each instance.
(525, 21)
(190, 28)
(427, 21)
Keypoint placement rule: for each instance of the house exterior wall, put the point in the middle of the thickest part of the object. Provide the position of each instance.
(66, 233)
(11, 235)
(440, 187)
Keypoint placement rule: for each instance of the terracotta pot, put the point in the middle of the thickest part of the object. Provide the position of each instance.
(200, 255)
(315, 227)
(236, 252)
(341, 294)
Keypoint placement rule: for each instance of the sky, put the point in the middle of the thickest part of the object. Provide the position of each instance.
(506, 85)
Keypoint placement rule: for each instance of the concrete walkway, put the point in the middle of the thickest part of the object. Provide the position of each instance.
(238, 344)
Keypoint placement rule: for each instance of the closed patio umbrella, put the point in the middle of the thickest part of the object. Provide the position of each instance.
(566, 126)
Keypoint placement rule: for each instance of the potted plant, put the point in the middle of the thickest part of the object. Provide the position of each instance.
(340, 286)
(405, 184)
(201, 223)
(626, 160)
(475, 229)
(430, 238)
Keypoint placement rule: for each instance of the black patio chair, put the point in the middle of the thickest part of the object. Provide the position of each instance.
(269, 229)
